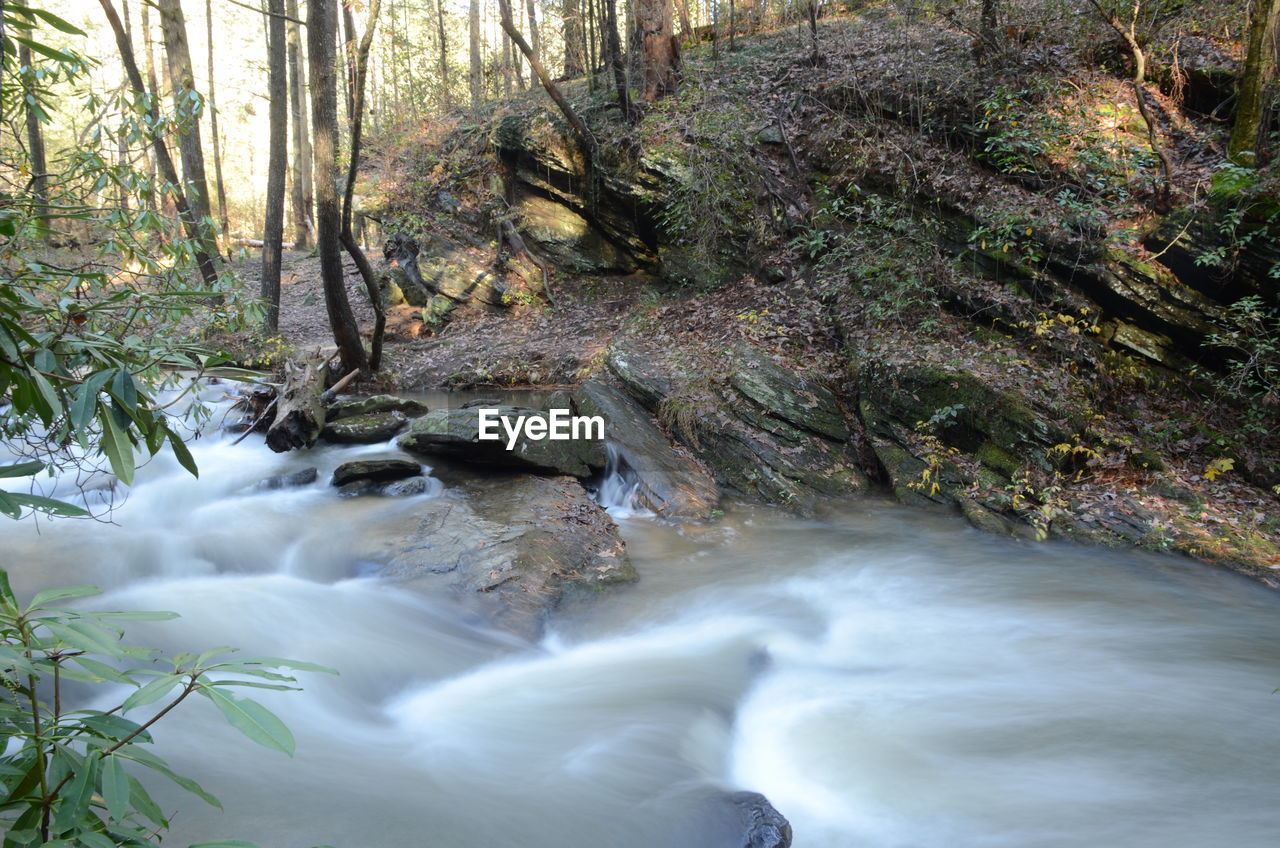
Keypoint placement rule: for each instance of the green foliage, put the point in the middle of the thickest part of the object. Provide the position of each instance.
(877, 248)
(1247, 213)
(1251, 343)
(1053, 134)
(86, 333)
(68, 776)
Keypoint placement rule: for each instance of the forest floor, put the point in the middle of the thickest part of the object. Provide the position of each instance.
(1158, 439)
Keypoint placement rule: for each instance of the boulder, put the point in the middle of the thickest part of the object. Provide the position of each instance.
(672, 485)
(455, 434)
(508, 547)
(364, 429)
(350, 407)
(377, 470)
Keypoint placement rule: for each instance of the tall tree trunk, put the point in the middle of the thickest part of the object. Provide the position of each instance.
(661, 50)
(535, 40)
(590, 33)
(35, 142)
(571, 12)
(1259, 67)
(303, 200)
(348, 198)
(444, 56)
(322, 28)
(349, 59)
(686, 29)
(506, 67)
(733, 27)
(163, 160)
(220, 187)
(188, 107)
(615, 60)
(148, 46)
(473, 32)
(277, 163)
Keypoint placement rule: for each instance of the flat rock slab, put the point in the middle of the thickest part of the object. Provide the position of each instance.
(508, 547)
(455, 434)
(366, 429)
(377, 470)
(671, 485)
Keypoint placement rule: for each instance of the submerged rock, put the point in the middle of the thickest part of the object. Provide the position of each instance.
(364, 429)
(455, 434)
(376, 470)
(407, 487)
(510, 547)
(305, 477)
(671, 485)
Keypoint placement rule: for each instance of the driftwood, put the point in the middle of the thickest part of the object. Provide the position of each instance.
(299, 405)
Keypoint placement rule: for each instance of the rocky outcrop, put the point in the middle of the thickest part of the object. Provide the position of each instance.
(765, 431)
(952, 436)
(669, 483)
(305, 477)
(364, 429)
(455, 434)
(438, 276)
(508, 547)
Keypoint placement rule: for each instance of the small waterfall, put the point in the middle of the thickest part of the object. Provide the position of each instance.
(618, 486)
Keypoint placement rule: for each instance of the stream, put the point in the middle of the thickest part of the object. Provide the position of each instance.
(886, 677)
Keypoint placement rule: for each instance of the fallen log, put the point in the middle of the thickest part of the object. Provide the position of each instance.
(300, 404)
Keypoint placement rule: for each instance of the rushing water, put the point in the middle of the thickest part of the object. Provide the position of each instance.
(886, 677)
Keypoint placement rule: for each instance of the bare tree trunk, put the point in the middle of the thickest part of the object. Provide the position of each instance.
(661, 50)
(163, 160)
(571, 12)
(733, 27)
(506, 67)
(615, 61)
(348, 59)
(273, 225)
(348, 239)
(686, 29)
(534, 38)
(473, 31)
(35, 142)
(444, 55)
(322, 27)
(188, 106)
(303, 200)
(151, 86)
(1259, 65)
(213, 124)
(592, 61)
